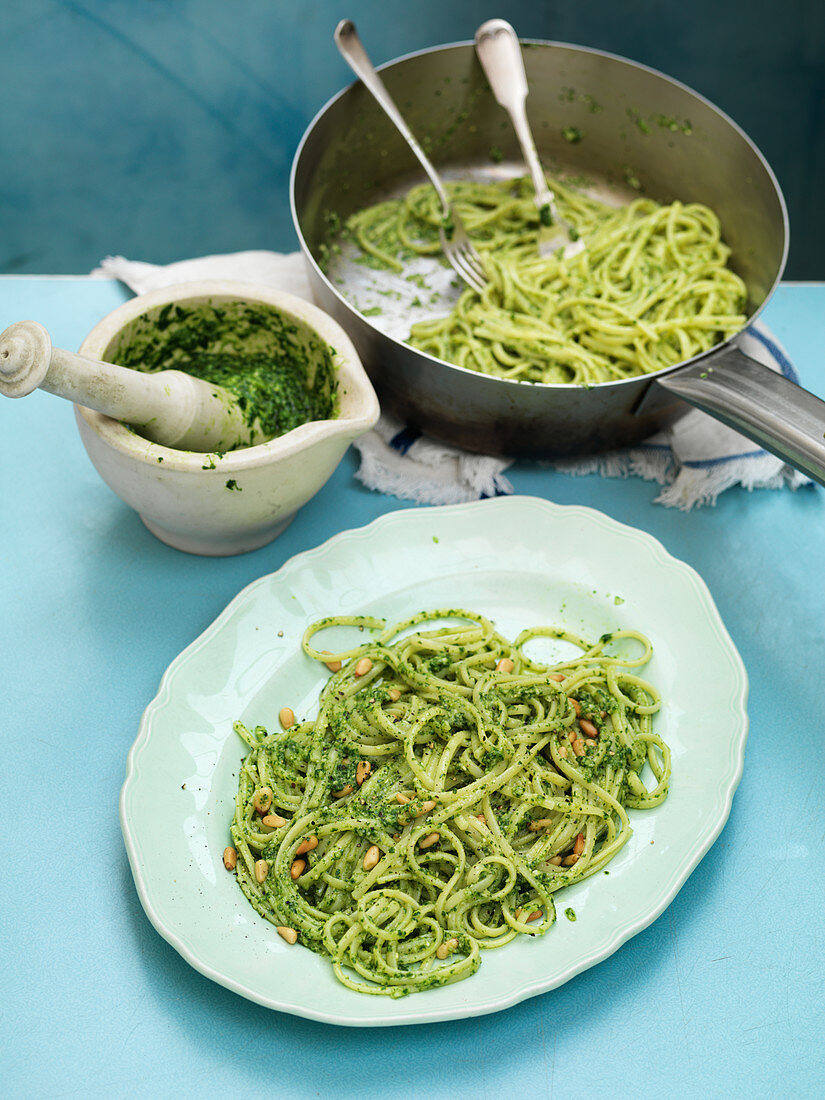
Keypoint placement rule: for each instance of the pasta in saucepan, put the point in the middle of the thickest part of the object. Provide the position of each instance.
(651, 289)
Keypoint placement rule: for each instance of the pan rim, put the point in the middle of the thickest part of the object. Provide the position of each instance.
(551, 386)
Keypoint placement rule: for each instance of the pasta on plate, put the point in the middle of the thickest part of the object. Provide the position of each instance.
(449, 786)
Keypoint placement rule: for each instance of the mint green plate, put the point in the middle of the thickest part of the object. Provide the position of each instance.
(520, 561)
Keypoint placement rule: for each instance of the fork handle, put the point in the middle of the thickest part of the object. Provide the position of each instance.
(499, 51)
(353, 52)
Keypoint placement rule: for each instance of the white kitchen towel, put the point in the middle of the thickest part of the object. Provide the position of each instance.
(694, 461)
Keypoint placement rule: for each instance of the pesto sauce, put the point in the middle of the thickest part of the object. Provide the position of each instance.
(281, 372)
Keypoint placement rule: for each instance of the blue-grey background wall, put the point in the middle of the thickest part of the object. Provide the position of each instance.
(161, 129)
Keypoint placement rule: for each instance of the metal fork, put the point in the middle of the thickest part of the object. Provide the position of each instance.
(453, 236)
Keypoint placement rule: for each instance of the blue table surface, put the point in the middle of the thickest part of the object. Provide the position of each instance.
(723, 995)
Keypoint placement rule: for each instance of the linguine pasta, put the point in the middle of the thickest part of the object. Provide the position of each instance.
(447, 789)
(651, 289)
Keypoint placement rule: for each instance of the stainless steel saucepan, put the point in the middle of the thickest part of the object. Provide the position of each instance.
(623, 130)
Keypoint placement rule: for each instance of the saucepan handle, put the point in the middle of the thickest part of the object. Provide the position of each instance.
(758, 402)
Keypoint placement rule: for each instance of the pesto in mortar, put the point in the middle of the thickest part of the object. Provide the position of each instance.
(280, 371)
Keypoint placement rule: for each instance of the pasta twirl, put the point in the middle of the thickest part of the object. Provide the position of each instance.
(448, 788)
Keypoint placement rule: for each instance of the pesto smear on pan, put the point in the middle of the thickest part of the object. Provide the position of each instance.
(280, 371)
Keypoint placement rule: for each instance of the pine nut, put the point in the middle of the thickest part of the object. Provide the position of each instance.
(563, 752)
(308, 845)
(446, 948)
(402, 799)
(430, 804)
(362, 771)
(230, 858)
(333, 666)
(573, 736)
(557, 676)
(297, 869)
(568, 861)
(262, 799)
(286, 717)
(273, 821)
(343, 792)
(577, 707)
(540, 823)
(587, 728)
(505, 665)
(261, 869)
(429, 840)
(534, 915)
(372, 857)
(578, 747)
(363, 666)
(394, 694)
(555, 860)
(288, 934)
(481, 817)
(578, 847)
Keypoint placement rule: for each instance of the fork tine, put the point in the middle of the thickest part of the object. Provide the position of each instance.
(471, 280)
(457, 259)
(471, 261)
(460, 264)
(475, 262)
(462, 241)
(477, 281)
(462, 256)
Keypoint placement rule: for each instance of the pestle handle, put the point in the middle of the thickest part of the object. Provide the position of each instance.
(167, 407)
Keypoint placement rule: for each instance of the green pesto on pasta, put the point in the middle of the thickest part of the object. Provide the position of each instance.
(447, 789)
(651, 289)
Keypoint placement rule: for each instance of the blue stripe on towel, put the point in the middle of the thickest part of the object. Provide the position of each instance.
(785, 364)
(704, 463)
(403, 440)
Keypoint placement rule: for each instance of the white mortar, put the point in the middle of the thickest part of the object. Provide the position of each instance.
(189, 506)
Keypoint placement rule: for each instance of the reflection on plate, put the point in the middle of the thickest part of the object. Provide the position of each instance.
(520, 561)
